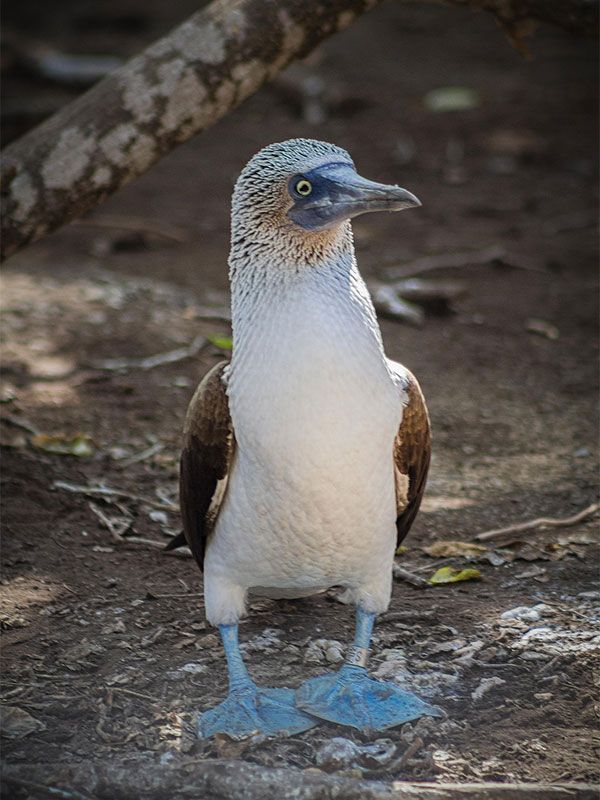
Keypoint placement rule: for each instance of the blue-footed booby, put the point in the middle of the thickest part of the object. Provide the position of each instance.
(304, 458)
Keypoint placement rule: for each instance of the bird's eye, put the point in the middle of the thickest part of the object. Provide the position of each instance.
(303, 187)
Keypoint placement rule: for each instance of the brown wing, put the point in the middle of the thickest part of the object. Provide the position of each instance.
(208, 446)
(412, 453)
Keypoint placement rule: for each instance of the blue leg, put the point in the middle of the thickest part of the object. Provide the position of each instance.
(350, 697)
(249, 709)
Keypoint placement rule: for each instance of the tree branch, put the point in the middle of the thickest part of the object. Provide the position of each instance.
(177, 87)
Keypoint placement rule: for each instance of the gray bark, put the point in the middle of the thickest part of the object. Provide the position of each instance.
(177, 87)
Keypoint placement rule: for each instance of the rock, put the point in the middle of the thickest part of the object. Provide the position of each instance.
(210, 642)
(522, 614)
(378, 753)
(118, 626)
(269, 639)
(337, 754)
(324, 651)
(15, 723)
(486, 685)
(194, 668)
(582, 452)
(78, 657)
(466, 655)
(191, 668)
(545, 610)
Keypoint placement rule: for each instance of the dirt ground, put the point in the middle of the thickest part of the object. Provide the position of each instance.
(107, 658)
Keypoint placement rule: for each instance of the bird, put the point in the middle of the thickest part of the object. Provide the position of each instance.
(305, 456)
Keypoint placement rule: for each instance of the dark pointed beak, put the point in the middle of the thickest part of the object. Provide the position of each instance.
(343, 194)
(360, 196)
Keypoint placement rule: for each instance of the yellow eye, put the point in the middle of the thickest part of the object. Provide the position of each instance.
(303, 187)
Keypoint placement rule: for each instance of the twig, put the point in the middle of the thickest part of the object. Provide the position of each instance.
(137, 225)
(457, 260)
(407, 755)
(182, 552)
(106, 491)
(402, 574)
(23, 424)
(134, 694)
(147, 453)
(566, 610)
(116, 527)
(433, 565)
(547, 522)
(220, 313)
(149, 362)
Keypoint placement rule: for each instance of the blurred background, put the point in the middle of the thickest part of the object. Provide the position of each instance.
(500, 328)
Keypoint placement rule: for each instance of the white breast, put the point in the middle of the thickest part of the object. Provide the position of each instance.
(310, 500)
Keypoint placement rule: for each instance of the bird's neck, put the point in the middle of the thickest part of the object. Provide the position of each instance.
(308, 365)
(310, 301)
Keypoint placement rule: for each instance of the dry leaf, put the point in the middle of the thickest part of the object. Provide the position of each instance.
(80, 444)
(453, 548)
(451, 575)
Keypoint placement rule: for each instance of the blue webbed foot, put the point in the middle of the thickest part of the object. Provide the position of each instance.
(350, 697)
(249, 709)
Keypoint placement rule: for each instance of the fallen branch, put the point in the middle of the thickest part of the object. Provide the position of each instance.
(241, 780)
(181, 85)
(545, 522)
(149, 362)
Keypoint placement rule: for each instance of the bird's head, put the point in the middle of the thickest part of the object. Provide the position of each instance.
(303, 192)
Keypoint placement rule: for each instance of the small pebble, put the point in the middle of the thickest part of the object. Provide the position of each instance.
(522, 613)
(327, 651)
(336, 754)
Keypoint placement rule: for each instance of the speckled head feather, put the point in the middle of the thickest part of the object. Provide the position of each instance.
(260, 227)
(266, 174)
